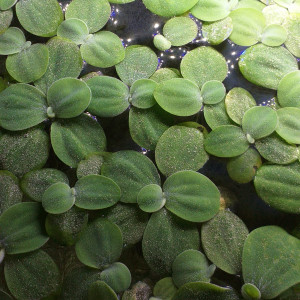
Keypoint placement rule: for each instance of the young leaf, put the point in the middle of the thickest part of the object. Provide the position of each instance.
(96, 192)
(180, 148)
(223, 240)
(161, 43)
(191, 266)
(226, 141)
(165, 74)
(150, 198)
(274, 35)
(180, 30)
(68, 97)
(12, 41)
(91, 165)
(140, 62)
(147, 125)
(278, 186)
(95, 13)
(271, 260)
(100, 244)
(74, 139)
(31, 276)
(58, 198)
(178, 96)
(141, 93)
(35, 183)
(163, 240)
(164, 289)
(275, 14)
(131, 171)
(204, 64)
(191, 196)
(266, 66)
(109, 96)
(103, 49)
(117, 276)
(10, 192)
(21, 228)
(39, 17)
(259, 121)
(213, 92)
(24, 151)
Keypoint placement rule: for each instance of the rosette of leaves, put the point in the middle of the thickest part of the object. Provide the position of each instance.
(66, 100)
(270, 263)
(188, 194)
(90, 192)
(25, 62)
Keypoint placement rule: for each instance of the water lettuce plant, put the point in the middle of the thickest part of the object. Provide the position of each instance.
(149, 150)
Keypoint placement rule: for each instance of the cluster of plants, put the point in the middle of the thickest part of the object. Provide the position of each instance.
(80, 222)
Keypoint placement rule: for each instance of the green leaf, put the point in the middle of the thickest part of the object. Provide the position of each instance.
(217, 32)
(271, 260)
(248, 26)
(150, 198)
(266, 66)
(10, 192)
(58, 198)
(73, 29)
(40, 18)
(117, 276)
(141, 93)
(131, 220)
(226, 141)
(259, 122)
(147, 125)
(191, 196)
(291, 24)
(250, 291)
(100, 290)
(180, 30)
(275, 14)
(6, 17)
(109, 96)
(164, 289)
(65, 228)
(274, 35)
(178, 96)
(223, 239)
(165, 74)
(12, 41)
(74, 139)
(91, 165)
(96, 192)
(242, 168)
(203, 291)
(100, 244)
(31, 276)
(103, 49)
(164, 239)
(279, 187)
(289, 124)
(180, 148)
(68, 97)
(35, 183)
(21, 228)
(140, 63)
(251, 4)
(170, 8)
(215, 115)
(22, 106)
(211, 10)
(191, 266)
(131, 171)
(274, 149)
(23, 151)
(213, 92)
(77, 282)
(288, 92)
(161, 43)
(204, 64)
(95, 13)
(6, 4)
(237, 102)
(64, 61)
